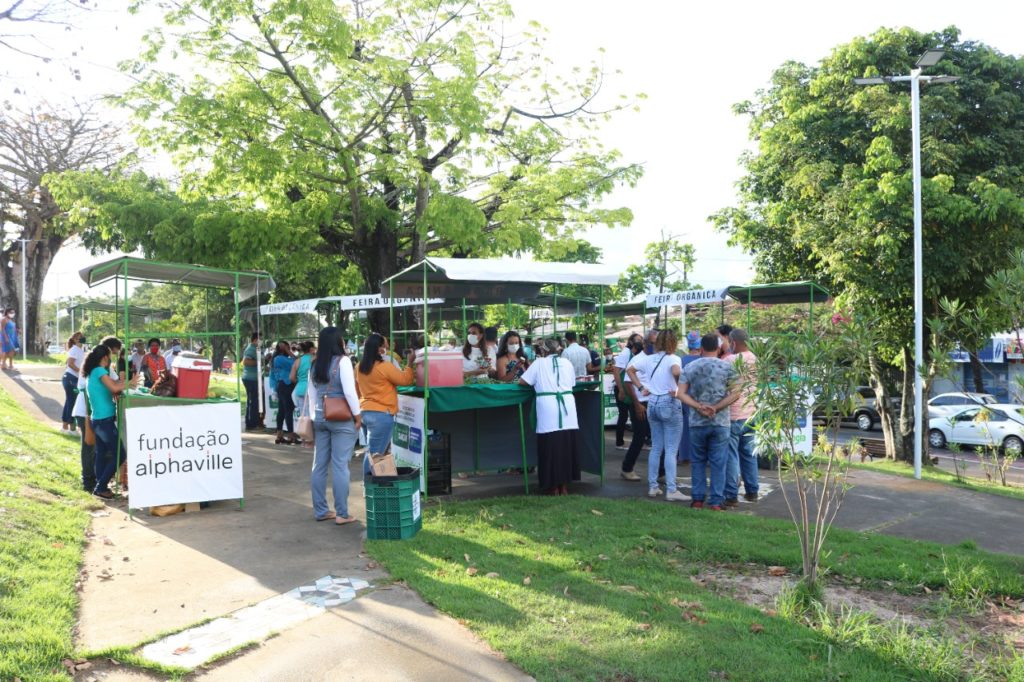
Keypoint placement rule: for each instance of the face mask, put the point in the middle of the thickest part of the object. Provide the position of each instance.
(473, 339)
(154, 349)
(513, 348)
(649, 348)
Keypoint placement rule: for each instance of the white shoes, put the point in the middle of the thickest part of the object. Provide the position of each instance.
(676, 496)
(654, 492)
(631, 476)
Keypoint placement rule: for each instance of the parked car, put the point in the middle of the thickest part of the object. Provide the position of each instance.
(865, 411)
(991, 424)
(946, 404)
(54, 349)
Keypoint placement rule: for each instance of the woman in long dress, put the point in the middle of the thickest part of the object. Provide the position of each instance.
(558, 460)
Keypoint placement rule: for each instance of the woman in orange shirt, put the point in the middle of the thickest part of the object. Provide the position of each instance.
(378, 378)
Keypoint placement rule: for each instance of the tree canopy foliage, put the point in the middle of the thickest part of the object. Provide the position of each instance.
(368, 134)
(827, 195)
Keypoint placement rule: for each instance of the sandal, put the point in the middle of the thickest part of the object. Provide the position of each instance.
(326, 517)
(344, 520)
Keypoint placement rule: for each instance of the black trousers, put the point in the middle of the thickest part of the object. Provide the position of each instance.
(620, 426)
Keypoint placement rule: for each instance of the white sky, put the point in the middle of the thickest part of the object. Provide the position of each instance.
(693, 63)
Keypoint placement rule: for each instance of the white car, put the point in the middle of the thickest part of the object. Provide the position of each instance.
(946, 404)
(54, 349)
(989, 425)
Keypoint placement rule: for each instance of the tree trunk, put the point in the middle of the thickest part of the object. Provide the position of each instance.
(40, 254)
(905, 439)
(883, 405)
(979, 380)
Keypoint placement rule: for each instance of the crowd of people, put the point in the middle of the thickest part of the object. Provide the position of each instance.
(686, 407)
(695, 408)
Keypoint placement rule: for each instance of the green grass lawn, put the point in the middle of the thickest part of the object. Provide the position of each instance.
(43, 517)
(598, 589)
(945, 476)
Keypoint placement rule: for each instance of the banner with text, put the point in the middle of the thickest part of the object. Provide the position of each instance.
(691, 297)
(183, 453)
(371, 302)
(407, 437)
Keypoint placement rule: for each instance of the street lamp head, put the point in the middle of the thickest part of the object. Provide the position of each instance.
(878, 80)
(930, 58)
(944, 79)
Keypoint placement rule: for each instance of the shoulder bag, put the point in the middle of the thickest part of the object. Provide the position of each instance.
(336, 409)
(304, 428)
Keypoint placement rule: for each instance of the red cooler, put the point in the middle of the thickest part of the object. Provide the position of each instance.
(445, 367)
(193, 374)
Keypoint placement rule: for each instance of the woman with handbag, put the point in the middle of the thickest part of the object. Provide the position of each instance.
(300, 380)
(334, 404)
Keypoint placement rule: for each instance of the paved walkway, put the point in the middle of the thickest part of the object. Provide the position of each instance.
(150, 575)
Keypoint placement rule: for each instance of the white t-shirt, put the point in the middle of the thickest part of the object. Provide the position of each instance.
(623, 358)
(638, 361)
(76, 353)
(473, 362)
(79, 409)
(553, 375)
(658, 370)
(579, 357)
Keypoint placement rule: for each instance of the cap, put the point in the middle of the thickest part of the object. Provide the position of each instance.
(693, 340)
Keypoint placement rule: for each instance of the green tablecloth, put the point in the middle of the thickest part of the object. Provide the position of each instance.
(481, 396)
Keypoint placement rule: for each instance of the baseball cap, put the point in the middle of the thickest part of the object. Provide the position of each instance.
(693, 340)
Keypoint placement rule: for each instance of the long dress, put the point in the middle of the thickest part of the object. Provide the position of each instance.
(558, 459)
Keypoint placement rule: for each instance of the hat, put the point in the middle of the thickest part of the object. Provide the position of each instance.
(693, 340)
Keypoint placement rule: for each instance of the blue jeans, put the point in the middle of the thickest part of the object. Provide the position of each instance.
(710, 451)
(106, 452)
(252, 403)
(685, 453)
(665, 415)
(88, 454)
(742, 460)
(70, 384)
(378, 427)
(334, 443)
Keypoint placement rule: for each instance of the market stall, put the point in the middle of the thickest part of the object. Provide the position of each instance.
(187, 447)
(486, 427)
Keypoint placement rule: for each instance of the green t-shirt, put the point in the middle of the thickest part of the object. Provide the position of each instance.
(250, 353)
(101, 401)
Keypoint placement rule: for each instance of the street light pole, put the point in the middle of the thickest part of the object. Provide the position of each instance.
(929, 58)
(915, 133)
(24, 302)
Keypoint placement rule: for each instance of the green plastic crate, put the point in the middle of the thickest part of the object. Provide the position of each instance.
(389, 533)
(393, 505)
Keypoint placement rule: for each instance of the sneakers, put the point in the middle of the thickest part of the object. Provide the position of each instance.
(750, 497)
(630, 475)
(676, 496)
(653, 492)
(732, 502)
(697, 504)
(621, 446)
(716, 507)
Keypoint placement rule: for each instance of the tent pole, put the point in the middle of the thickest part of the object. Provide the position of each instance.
(522, 444)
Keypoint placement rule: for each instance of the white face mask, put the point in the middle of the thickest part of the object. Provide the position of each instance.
(473, 339)
(513, 348)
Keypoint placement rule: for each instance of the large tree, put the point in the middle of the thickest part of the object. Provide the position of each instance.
(34, 144)
(827, 194)
(382, 130)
